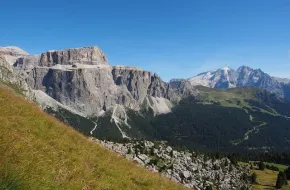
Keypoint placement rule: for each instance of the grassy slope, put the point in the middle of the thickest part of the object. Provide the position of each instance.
(280, 166)
(38, 152)
(267, 180)
(234, 97)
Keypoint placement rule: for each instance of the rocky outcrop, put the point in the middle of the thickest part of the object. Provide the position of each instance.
(139, 83)
(83, 80)
(8, 77)
(183, 87)
(11, 53)
(189, 168)
(87, 56)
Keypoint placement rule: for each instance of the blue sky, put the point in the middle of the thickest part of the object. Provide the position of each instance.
(176, 39)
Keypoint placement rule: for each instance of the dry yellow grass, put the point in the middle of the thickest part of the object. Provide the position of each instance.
(267, 180)
(40, 152)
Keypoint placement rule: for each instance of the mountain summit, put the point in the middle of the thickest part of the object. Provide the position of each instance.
(243, 76)
(82, 79)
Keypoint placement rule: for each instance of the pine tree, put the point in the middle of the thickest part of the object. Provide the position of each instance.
(287, 172)
(254, 178)
(129, 151)
(281, 180)
(171, 153)
(261, 165)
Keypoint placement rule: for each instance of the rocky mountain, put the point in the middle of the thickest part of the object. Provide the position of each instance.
(243, 76)
(83, 80)
(79, 87)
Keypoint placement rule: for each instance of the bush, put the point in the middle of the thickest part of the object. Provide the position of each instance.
(208, 187)
(154, 161)
(151, 151)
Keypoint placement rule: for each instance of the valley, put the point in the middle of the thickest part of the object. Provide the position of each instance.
(121, 108)
(144, 95)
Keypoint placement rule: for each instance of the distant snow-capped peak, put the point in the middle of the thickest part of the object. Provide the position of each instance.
(211, 78)
(243, 76)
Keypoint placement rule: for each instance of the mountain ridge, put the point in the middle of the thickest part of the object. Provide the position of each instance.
(242, 76)
(128, 102)
(81, 78)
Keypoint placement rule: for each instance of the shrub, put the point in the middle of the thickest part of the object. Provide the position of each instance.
(208, 187)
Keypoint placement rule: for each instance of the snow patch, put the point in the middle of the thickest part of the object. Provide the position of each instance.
(255, 78)
(202, 79)
(226, 69)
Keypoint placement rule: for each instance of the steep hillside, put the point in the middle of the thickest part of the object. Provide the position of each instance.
(38, 152)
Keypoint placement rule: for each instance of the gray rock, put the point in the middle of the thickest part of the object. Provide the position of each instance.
(186, 174)
(169, 149)
(7, 75)
(190, 172)
(87, 55)
(92, 86)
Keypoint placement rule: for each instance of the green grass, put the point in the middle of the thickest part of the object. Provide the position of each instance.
(267, 180)
(280, 166)
(233, 97)
(39, 152)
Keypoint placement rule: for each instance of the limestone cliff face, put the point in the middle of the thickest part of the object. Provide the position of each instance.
(139, 83)
(86, 55)
(88, 90)
(83, 80)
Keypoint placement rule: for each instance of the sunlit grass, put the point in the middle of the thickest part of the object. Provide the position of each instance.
(39, 152)
(280, 166)
(267, 180)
